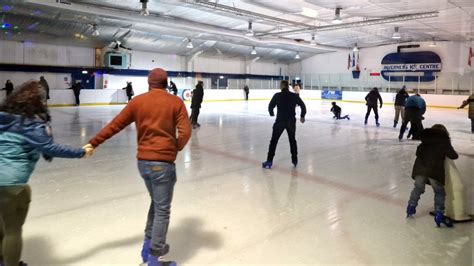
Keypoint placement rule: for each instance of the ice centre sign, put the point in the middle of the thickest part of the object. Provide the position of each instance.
(411, 67)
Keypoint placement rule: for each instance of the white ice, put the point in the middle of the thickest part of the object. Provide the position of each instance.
(344, 204)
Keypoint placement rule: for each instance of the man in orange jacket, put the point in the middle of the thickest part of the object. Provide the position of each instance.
(157, 115)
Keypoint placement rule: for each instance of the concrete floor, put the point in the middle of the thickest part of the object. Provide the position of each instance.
(344, 204)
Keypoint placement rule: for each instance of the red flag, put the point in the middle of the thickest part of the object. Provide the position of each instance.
(357, 65)
(349, 62)
(470, 56)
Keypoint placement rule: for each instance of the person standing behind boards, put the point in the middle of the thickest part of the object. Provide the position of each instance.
(8, 87)
(45, 86)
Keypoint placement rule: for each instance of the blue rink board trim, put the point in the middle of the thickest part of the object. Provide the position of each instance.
(127, 72)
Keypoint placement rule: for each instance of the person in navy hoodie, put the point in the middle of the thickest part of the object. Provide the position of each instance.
(25, 135)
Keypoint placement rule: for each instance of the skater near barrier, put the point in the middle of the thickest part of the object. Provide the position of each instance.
(44, 84)
(286, 102)
(372, 98)
(76, 88)
(196, 101)
(415, 107)
(173, 89)
(246, 92)
(429, 169)
(25, 135)
(400, 100)
(129, 90)
(469, 101)
(336, 110)
(163, 129)
(8, 87)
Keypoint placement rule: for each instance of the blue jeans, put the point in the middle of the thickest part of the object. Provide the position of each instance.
(159, 178)
(440, 194)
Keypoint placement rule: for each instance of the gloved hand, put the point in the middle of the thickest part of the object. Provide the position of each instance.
(380, 106)
(89, 149)
(302, 120)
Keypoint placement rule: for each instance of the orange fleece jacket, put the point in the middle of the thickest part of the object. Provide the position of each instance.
(157, 115)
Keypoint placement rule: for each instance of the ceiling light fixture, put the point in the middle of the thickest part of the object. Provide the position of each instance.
(144, 11)
(297, 56)
(249, 31)
(396, 35)
(355, 49)
(95, 31)
(190, 44)
(337, 17)
(433, 43)
(254, 51)
(313, 40)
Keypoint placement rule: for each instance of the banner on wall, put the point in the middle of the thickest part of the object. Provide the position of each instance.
(331, 95)
(411, 66)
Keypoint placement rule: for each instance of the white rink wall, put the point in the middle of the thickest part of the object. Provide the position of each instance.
(117, 96)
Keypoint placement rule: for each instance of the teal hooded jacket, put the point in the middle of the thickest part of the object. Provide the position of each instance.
(22, 141)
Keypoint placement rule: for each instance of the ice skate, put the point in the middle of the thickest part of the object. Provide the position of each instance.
(411, 210)
(146, 250)
(377, 124)
(395, 124)
(441, 219)
(267, 165)
(295, 162)
(154, 261)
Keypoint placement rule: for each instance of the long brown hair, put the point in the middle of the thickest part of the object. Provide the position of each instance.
(27, 100)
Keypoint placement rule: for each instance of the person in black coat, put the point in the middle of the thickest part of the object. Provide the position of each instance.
(45, 86)
(173, 88)
(372, 99)
(76, 88)
(400, 100)
(246, 92)
(429, 169)
(336, 110)
(129, 90)
(286, 102)
(8, 87)
(198, 95)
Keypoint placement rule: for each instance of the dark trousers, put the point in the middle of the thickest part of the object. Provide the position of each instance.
(78, 101)
(472, 125)
(278, 129)
(376, 112)
(412, 116)
(129, 97)
(338, 116)
(194, 115)
(246, 96)
(14, 204)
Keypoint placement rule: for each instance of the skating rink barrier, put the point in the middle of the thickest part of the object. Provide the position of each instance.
(114, 96)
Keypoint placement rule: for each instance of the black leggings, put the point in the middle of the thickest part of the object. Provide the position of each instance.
(278, 129)
(376, 112)
(14, 204)
(194, 115)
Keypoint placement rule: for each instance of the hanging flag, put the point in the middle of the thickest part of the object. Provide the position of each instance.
(353, 59)
(357, 65)
(470, 56)
(349, 62)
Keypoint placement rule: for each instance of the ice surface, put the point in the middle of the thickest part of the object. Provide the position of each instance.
(344, 204)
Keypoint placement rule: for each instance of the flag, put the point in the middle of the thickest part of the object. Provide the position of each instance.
(349, 62)
(470, 56)
(353, 59)
(357, 65)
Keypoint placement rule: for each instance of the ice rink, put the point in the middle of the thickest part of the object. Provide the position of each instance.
(344, 204)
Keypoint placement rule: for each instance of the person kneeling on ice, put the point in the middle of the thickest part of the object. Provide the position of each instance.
(286, 102)
(25, 135)
(336, 110)
(163, 129)
(429, 169)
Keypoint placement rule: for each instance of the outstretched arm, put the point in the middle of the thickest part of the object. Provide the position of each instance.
(121, 121)
(42, 139)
